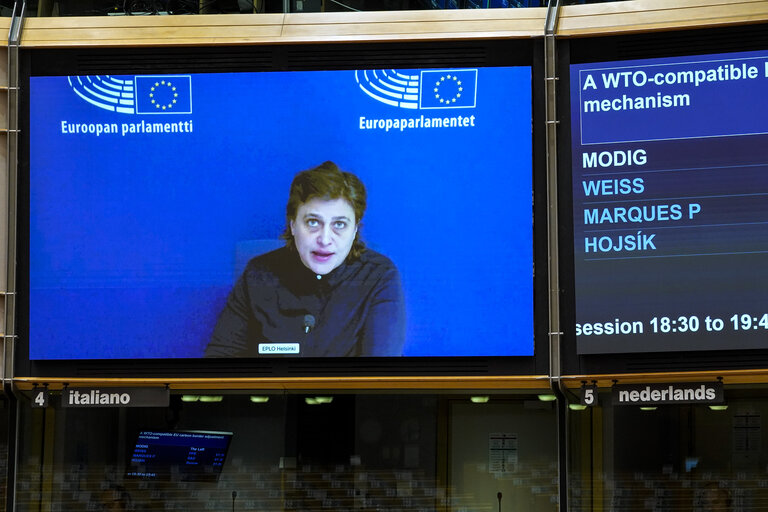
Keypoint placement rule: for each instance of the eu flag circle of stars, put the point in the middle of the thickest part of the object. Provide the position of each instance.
(448, 79)
(165, 86)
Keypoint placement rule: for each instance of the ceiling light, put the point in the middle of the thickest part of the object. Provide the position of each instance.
(318, 400)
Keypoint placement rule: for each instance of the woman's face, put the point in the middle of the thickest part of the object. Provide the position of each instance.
(323, 232)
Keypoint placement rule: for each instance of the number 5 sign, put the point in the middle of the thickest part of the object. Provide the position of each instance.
(589, 396)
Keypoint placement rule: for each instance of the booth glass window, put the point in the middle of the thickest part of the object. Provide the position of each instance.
(293, 452)
(696, 458)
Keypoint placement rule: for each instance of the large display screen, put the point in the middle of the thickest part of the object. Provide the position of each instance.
(670, 203)
(150, 195)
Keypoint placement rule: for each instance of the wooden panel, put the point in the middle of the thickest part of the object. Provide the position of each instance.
(534, 383)
(4, 70)
(203, 20)
(419, 16)
(143, 36)
(417, 24)
(5, 25)
(649, 15)
(411, 30)
(149, 30)
(275, 28)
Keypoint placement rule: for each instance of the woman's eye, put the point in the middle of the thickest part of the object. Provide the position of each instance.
(339, 224)
(313, 223)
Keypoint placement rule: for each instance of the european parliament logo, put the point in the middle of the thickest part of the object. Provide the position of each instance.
(141, 94)
(425, 89)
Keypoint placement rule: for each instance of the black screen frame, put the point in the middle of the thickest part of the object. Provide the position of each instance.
(288, 58)
(677, 43)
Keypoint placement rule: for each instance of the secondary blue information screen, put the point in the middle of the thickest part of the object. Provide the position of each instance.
(188, 455)
(149, 194)
(670, 203)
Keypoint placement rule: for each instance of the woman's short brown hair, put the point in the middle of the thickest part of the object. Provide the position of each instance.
(326, 181)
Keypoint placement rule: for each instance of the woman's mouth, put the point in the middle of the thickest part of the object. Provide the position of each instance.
(322, 256)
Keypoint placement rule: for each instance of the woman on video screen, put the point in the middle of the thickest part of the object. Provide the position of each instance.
(324, 293)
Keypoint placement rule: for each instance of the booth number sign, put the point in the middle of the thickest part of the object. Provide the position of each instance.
(589, 396)
(40, 397)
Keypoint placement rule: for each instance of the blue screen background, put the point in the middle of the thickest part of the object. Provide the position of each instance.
(136, 239)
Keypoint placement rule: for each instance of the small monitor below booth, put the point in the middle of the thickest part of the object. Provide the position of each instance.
(183, 455)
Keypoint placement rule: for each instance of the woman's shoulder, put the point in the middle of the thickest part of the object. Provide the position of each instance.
(371, 257)
(275, 261)
(375, 266)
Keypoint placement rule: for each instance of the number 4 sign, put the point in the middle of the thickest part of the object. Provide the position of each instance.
(40, 397)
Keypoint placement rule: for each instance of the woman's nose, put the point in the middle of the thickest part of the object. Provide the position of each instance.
(324, 236)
